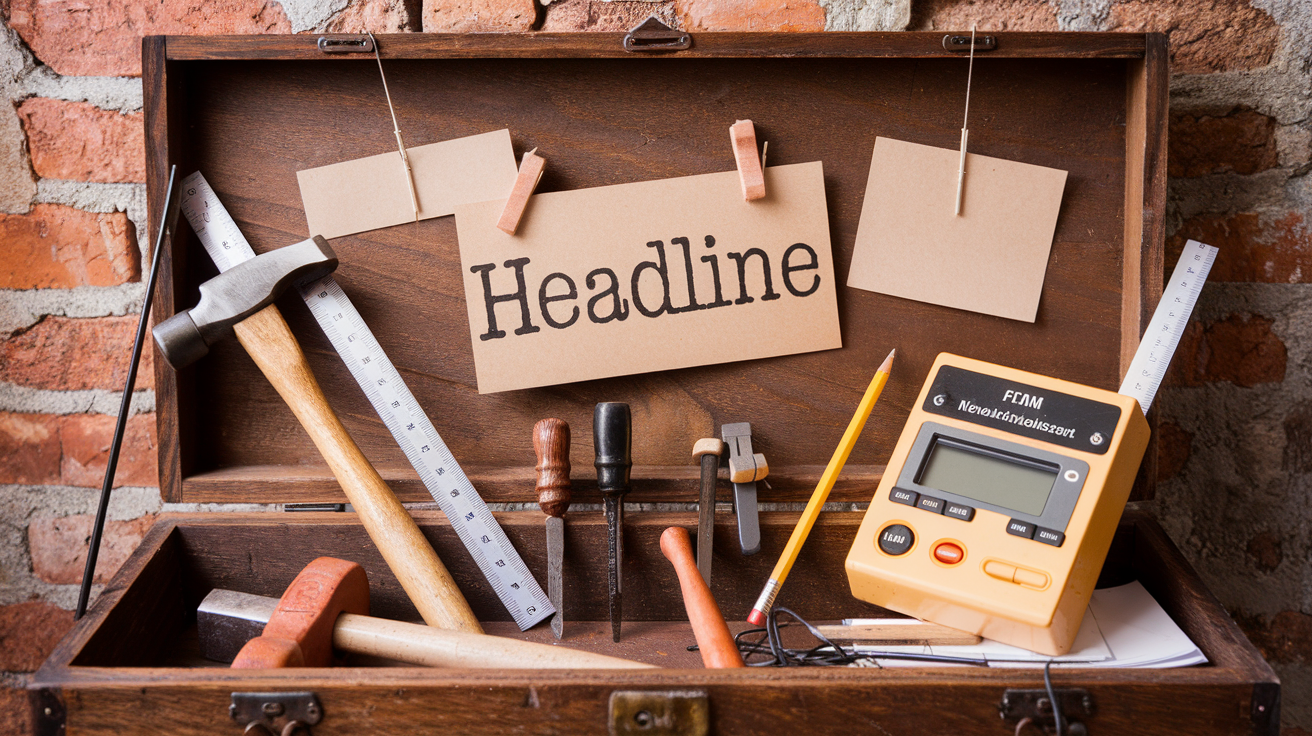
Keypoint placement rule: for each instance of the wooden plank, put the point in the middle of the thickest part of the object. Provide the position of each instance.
(705, 45)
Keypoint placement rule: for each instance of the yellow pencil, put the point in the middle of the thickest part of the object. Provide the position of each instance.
(822, 489)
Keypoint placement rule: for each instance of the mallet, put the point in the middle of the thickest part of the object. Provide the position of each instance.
(241, 300)
(324, 609)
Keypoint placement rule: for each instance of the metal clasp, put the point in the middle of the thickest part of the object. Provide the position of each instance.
(659, 713)
(346, 43)
(280, 714)
(1035, 707)
(953, 42)
(652, 35)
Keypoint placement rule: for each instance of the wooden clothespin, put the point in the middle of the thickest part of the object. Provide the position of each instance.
(751, 169)
(530, 173)
(396, 128)
(961, 165)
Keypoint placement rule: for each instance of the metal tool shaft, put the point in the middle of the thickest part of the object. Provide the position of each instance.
(612, 436)
(706, 516)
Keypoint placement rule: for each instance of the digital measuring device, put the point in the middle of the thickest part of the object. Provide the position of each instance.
(396, 406)
(999, 504)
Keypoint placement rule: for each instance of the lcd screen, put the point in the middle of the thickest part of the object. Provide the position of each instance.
(988, 478)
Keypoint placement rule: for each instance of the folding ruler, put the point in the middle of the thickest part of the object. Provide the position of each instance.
(396, 406)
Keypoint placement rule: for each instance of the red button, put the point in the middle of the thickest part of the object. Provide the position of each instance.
(949, 553)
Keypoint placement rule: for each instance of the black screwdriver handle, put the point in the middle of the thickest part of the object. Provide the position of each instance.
(612, 435)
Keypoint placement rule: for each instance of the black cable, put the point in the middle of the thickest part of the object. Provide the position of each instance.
(93, 551)
(1052, 696)
(824, 654)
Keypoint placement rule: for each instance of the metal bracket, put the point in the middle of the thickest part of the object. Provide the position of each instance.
(346, 43)
(652, 35)
(275, 712)
(953, 42)
(1076, 703)
(739, 439)
(660, 713)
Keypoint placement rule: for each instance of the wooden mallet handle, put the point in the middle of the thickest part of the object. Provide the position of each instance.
(551, 443)
(270, 342)
(713, 637)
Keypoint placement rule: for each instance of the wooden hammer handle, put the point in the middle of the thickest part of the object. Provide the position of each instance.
(713, 638)
(270, 342)
(425, 645)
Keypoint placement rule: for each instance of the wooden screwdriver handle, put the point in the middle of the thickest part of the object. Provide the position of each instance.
(551, 443)
(425, 645)
(713, 638)
(270, 342)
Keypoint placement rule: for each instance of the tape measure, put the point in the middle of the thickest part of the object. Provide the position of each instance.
(400, 412)
(1167, 325)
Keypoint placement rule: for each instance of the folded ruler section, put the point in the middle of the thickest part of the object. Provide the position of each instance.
(396, 406)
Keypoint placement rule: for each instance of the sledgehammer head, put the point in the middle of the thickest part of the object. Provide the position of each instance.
(236, 294)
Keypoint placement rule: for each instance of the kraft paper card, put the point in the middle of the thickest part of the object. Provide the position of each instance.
(650, 276)
(991, 259)
(371, 193)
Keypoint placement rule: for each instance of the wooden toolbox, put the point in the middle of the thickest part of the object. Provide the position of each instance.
(250, 112)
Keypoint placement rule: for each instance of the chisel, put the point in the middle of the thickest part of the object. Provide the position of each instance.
(551, 443)
(612, 436)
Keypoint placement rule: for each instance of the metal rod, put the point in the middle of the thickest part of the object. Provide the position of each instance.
(167, 220)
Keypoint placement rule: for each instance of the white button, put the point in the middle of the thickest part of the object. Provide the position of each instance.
(1072, 476)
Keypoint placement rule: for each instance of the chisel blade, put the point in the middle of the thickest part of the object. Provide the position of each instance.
(615, 535)
(555, 561)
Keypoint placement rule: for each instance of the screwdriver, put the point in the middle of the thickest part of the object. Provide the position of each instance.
(551, 443)
(612, 436)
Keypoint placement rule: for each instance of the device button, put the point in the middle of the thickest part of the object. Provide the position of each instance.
(896, 539)
(949, 553)
(1030, 578)
(902, 495)
(1020, 528)
(999, 570)
(957, 511)
(929, 503)
(1048, 536)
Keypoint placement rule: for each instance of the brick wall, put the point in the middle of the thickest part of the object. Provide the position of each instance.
(1236, 467)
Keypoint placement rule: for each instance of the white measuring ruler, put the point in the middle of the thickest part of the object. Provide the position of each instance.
(1167, 325)
(419, 440)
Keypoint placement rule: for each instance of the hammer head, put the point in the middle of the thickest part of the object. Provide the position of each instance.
(300, 623)
(236, 294)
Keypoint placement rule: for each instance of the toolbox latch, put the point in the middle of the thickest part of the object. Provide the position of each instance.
(954, 42)
(1035, 707)
(660, 713)
(653, 35)
(346, 43)
(276, 713)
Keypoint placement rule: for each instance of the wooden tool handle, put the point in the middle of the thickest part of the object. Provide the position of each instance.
(551, 443)
(713, 637)
(424, 645)
(270, 342)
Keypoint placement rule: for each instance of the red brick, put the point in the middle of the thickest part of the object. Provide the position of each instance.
(1219, 35)
(1286, 638)
(1240, 349)
(103, 38)
(58, 247)
(1002, 15)
(1174, 446)
(15, 718)
(29, 448)
(82, 142)
(1253, 247)
(377, 16)
(62, 353)
(59, 546)
(476, 16)
(1241, 140)
(1265, 549)
(750, 15)
(603, 15)
(28, 633)
(85, 440)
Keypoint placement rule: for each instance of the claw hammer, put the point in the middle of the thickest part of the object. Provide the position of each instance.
(240, 300)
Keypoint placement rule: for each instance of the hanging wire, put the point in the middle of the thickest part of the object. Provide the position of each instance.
(396, 128)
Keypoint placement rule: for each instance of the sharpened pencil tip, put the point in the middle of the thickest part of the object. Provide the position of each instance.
(887, 365)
